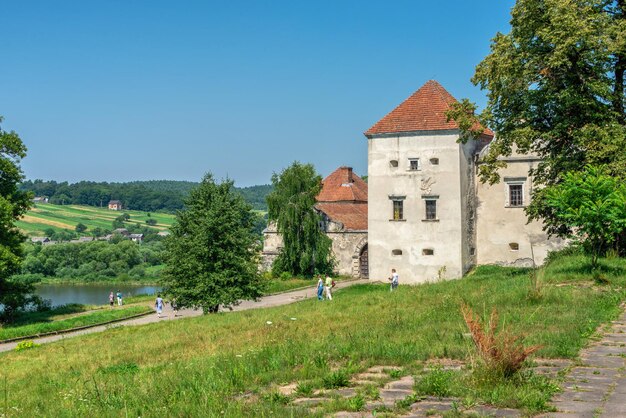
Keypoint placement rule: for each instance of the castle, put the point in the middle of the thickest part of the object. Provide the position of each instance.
(423, 210)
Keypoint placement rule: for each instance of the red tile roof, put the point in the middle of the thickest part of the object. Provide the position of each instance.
(343, 198)
(342, 185)
(353, 216)
(424, 110)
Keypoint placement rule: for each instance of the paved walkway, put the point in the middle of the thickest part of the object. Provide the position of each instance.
(597, 388)
(168, 315)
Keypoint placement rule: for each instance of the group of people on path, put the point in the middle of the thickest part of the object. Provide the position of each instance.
(324, 287)
(120, 302)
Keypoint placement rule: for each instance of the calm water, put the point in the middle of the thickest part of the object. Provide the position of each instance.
(89, 294)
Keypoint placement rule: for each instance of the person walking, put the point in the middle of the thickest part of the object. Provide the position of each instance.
(119, 298)
(328, 285)
(174, 306)
(394, 279)
(320, 288)
(111, 299)
(158, 303)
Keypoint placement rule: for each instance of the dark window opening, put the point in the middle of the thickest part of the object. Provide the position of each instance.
(428, 251)
(431, 210)
(434, 161)
(414, 164)
(398, 210)
(514, 246)
(393, 163)
(396, 252)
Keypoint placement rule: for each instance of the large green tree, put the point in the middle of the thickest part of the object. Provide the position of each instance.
(306, 249)
(555, 88)
(211, 253)
(13, 204)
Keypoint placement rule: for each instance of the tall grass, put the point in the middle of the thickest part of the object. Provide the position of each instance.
(223, 364)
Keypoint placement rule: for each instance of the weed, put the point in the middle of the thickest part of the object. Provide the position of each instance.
(408, 401)
(276, 398)
(336, 379)
(25, 345)
(437, 383)
(304, 389)
(502, 353)
(370, 392)
(356, 403)
(395, 373)
(535, 288)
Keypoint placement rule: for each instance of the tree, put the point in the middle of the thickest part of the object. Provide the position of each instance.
(306, 249)
(81, 227)
(151, 221)
(13, 204)
(211, 253)
(555, 88)
(592, 205)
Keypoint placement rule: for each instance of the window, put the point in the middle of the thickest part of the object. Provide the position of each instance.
(398, 209)
(414, 164)
(516, 195)
(514, 191)
(514, 246)
(434, 161)
(393, 163)
(431, 209)
(428, 251)
(396, 252)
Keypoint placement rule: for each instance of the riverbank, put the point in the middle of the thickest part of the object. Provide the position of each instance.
(36, 324)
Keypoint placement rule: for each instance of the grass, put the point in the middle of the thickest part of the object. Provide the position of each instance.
(65, 317)
(66, 217)
(229, 364)
(277, 285)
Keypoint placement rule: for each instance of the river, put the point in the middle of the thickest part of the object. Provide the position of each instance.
(89, 294)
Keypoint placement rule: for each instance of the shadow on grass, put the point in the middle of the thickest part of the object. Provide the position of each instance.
(28, 318)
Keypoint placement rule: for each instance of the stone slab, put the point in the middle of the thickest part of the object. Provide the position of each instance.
(405, 383)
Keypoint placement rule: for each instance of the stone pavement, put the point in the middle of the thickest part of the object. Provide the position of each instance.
(597, 387)
(168, 315)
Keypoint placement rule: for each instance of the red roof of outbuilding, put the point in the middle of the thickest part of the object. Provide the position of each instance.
(343, 185)
(424, 110)
(343, 198)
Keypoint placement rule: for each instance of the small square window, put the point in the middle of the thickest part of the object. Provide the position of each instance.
(414, 164)
(516, 195)
(393, 163)
(428, 251)
(434, 161)
(396, 252)
(398, 210)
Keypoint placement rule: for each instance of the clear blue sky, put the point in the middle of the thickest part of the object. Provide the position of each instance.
(138, 90)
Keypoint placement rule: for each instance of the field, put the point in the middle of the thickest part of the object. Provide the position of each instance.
(66, 217)
(230, 364)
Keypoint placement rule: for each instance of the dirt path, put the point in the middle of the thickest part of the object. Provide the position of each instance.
(168, 315)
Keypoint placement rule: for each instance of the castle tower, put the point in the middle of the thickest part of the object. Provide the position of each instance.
(421, 215)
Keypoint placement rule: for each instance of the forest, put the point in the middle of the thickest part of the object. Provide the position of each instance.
(150, 196)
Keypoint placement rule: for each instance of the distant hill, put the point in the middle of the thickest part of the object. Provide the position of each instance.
(148, 196)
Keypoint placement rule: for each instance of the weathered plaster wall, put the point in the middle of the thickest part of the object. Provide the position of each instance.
(414, 234)
(500, 226)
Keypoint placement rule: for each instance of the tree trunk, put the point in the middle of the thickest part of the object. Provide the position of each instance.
(620, 68)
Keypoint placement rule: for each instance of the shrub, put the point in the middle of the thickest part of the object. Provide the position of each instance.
(336, 379)
(437, 383)
(25, 345)
(502, 353)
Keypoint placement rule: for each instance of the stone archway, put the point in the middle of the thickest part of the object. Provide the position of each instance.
(360, 263)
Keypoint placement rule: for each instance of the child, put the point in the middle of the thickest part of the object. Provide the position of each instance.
(111, 299)
(394, 280)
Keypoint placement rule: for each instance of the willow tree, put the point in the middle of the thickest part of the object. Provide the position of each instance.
(306, 249)
(555, 87)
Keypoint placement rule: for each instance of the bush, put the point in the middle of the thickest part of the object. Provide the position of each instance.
(503, 354)
(336, 379)
(25, 345)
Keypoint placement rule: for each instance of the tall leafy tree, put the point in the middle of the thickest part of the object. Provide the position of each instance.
(13, 204)
(306, 249)
(555, 88)
(211, 253)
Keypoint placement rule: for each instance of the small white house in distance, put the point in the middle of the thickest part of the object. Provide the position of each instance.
(429, 216)
(115, 205)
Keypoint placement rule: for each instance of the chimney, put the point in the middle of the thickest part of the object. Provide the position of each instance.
(349, 173)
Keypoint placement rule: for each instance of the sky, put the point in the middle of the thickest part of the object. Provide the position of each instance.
(124, 90)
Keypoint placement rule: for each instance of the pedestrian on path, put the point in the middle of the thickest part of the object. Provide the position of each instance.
(111, 299)
(394, 279)
(320, 288)
(119, 298)
(158, 303)
(174, 306)
(328, 285)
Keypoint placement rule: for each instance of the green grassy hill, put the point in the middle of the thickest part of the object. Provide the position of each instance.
(230, 364)
(66, 217)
